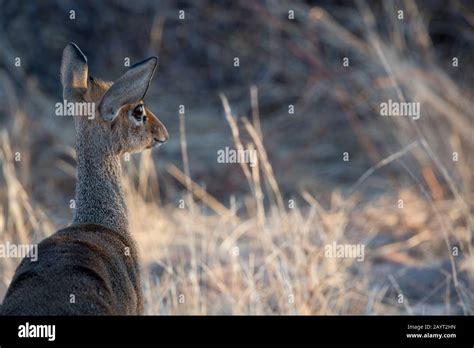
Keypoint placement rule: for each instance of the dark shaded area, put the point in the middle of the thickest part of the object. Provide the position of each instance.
(292, 62)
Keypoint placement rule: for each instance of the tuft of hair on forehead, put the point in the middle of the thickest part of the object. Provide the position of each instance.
(97, 89)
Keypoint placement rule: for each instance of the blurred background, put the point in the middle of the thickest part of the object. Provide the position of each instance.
(251, 241)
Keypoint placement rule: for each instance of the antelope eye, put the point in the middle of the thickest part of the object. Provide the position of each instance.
(138, 111)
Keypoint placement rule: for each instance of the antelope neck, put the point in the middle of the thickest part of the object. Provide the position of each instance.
(99, 193)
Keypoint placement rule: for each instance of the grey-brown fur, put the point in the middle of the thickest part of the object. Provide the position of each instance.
(86, 263)
(91, 267)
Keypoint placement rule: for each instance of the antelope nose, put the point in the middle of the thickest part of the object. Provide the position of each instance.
(159, 132)
(163, 135)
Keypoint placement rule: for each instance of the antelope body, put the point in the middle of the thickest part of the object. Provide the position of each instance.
(91, 267)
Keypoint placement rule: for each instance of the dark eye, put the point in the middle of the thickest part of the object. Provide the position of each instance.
(138, 112)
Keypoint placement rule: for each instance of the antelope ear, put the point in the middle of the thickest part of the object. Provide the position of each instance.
(74, 72)
(130, 88)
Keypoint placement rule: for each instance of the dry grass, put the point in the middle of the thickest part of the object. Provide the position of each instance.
(249, 258)
(255, 254)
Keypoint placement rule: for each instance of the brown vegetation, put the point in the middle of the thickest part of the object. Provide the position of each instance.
(236, 247)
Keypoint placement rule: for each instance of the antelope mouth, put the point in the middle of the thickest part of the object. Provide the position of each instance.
(156, 143)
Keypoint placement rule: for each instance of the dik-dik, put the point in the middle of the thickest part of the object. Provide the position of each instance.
(91, 267)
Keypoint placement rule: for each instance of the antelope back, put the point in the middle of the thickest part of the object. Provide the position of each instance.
(81, 270)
